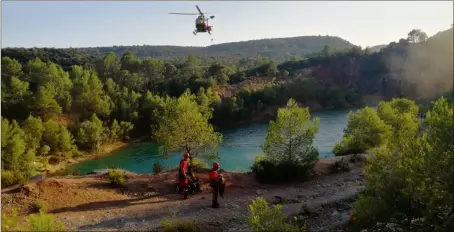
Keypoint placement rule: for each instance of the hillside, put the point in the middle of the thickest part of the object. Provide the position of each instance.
(279, 49)
(377, 48)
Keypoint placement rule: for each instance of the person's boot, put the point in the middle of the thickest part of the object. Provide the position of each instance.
(185, 194)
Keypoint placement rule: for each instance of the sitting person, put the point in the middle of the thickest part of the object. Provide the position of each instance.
(194, 184)
(217, 183)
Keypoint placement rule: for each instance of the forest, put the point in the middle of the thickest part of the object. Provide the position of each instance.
(58, 103)
(280, 49)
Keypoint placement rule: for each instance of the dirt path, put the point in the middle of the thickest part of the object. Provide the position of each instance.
(87, 203)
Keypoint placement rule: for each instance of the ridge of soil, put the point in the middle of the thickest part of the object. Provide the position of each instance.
(90, 203)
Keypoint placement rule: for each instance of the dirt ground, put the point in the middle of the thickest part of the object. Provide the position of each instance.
(90, 203)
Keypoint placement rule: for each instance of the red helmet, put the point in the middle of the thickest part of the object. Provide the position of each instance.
(186, 155)
(215, 165)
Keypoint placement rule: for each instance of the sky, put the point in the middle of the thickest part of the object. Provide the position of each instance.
(62, 24)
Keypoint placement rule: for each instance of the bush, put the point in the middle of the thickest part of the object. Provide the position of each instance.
(39, 206)
(8, 178)
(157, 168)
(341, 165)
(405, 184)
(44, 222)
(198, 163)
(179, 226)
(263, 218)
(273, 173)
(9, 222)
(365, 130)
(53, 160)
(117, 177)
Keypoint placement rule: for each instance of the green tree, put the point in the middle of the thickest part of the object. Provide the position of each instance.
(90, 134)
(182, 126)
(58, 138)
(16, 156)
(52, 77)
(33, 128)
(402, 116)
(153, 71)
(10, 68)
(45, 104)
(89, 94)
(404, 182)
(327, 51)
(290, 138)
(364, 131)
(263, 218)
(207, 100)
(416, 36)
(130, 62)
(109, 66)
(119, 130)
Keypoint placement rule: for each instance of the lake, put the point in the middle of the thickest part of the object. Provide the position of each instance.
(239, 147)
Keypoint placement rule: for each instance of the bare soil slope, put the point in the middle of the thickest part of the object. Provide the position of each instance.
(89, 203)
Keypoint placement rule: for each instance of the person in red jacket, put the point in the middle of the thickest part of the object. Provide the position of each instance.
(183, 174)
(217, 183)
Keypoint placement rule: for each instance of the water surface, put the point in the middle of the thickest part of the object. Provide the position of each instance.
(239, 147)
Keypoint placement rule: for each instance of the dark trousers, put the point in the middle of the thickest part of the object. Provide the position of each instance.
(215, 192)
(217, 189)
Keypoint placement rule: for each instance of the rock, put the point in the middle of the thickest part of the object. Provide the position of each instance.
(334, 213)
(260, 191)
(309, 210)
(291, 209)
(278, 199)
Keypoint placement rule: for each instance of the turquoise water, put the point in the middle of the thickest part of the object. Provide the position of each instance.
(237, 152)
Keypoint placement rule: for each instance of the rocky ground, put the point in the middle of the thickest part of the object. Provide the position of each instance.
(89, 203)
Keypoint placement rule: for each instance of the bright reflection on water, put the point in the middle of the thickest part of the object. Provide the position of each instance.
(239, 147)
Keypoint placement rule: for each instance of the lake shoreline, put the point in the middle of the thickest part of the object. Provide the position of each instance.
(53, 170)
(72, 166)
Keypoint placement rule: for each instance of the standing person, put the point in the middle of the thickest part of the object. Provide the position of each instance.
(217, 184)
(183, 174)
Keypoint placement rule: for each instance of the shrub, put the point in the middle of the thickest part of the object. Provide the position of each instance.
(8, 178)
(53, 160)
(364, 130)
(157, 168)
(117, 177)
(179, 226)
(199, 163)
(9, 222)
(263, 218)
(39, 206)
(269, 172)
(405, 182)
(44, 222)
(341, 165)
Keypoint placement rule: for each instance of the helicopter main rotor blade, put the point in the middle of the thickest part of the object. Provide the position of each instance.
(184, 13)
(199, 11)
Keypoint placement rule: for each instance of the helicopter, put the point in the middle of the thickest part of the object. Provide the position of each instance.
(201, 23)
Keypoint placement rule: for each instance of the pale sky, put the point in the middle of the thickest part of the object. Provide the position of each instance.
(88, 24)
